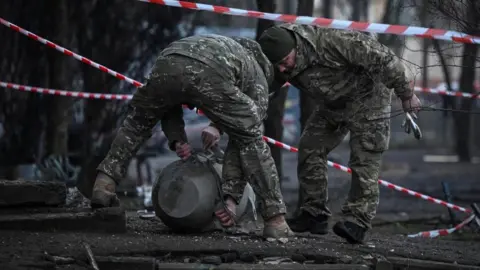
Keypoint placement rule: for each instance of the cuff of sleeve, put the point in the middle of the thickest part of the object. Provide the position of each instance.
(404, 93)
(173, 138)
(215, 126)
(109, 171)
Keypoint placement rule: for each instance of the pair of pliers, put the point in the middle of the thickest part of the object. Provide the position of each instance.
(410, 125)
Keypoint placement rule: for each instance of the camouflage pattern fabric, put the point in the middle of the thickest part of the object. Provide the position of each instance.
(347, 62)
(351, 75)
(369, 126)
(222, 78)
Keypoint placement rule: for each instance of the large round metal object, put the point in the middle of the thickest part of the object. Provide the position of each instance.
(185, 194)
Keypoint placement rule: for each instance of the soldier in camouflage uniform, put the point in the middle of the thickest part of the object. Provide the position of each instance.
(228, 79)
(350, 75)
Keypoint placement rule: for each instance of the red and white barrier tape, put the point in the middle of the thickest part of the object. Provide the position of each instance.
(88, 95)
(329, 23)
(138, 84)
(64, 93)
(442, 232)
(446, 93)
(69, 53)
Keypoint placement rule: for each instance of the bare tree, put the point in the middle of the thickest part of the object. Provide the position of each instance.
(391, 15)
(119, 34)
(463, 15)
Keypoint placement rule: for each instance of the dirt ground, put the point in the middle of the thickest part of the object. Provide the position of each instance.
(398, 215)
(35, 250)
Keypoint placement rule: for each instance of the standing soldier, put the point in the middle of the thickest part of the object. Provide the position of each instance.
(228, 80)
(350, 75)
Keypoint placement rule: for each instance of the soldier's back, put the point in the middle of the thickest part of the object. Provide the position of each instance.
(221, 53)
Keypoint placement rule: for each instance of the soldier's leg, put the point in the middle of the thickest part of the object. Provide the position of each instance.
(234, 183)
(369, 138)
(232, 173)
(320, 136)
(241, 118)
(150, 103)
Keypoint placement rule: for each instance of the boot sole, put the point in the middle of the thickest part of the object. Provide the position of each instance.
(104, 201)
(343, 232)
(311, 230)
(322, 232)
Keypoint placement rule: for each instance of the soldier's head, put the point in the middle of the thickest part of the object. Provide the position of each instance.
(278, 44)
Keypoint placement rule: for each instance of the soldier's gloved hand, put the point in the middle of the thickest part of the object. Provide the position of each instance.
(210, 137)
(183, 150)
(410, 125)
(412, 105)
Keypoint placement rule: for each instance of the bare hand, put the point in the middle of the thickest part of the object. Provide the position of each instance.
(210, 137)
(412, 105)
(226, 215)
(183, 150)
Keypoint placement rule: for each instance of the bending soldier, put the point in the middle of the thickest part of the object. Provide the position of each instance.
(229, 82)
(350, 75)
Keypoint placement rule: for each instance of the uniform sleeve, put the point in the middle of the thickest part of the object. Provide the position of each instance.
(174, 127)
(216, 126)
(144, 110)
(364, 51)
(141, 117)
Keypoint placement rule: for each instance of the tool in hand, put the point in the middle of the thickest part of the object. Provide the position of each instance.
(410, 125)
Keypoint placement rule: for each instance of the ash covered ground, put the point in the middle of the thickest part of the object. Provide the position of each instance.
(399, 214)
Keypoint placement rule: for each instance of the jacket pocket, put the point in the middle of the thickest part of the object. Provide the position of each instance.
(377, 138)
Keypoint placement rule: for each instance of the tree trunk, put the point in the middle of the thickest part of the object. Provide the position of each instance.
(448, 101)
(59, 109)
(365, 10)
(426, 44)
(463, 120)
(327, 8)
(466, 84)
(265, 6)
(356, 6)
(393, 9)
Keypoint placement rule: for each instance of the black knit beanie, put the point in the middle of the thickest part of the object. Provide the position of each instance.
(276, 43)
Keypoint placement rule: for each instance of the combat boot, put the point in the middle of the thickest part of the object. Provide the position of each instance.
(308, 222)
(353, 233)
(281, 231)
(103, 194)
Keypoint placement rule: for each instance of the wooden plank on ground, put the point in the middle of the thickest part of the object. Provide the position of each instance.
(32, 193)
(285, 266)
(415, 264)
(108, 220)
(126, 263)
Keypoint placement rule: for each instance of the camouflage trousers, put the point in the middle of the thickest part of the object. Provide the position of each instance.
(367, 120)
(238, 111)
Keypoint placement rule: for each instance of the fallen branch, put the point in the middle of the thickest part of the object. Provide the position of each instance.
(91, 259)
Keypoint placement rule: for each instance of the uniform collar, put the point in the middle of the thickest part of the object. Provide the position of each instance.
(305, 57)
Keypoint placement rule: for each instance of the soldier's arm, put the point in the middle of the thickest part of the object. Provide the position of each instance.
(365, 51)
(141, 117)
(144, 111)
(216, 126)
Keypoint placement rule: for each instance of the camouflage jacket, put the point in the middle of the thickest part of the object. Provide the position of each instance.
(230, 57)
(333, 64)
